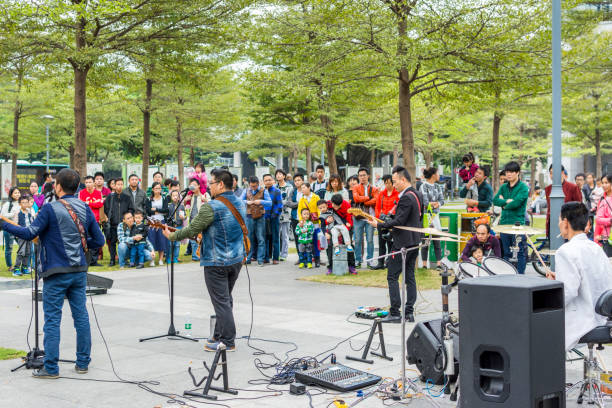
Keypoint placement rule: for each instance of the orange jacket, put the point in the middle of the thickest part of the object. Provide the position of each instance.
(360, 197)
(385, 203)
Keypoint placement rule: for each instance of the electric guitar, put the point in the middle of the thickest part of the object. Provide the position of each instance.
(158, 224)
(3, 218)
(357, 212)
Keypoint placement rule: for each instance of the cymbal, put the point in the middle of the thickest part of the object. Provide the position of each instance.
(445, 239)
(430, 231)
(517, 230)
(547, 251)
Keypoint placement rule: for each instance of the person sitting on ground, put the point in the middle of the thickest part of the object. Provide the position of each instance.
(585, 271)
(477, 255)
(468, 170)
(138, 233)
(24, 219)
(332, 223)
(483, 238)
(305, 233)
(535, 203)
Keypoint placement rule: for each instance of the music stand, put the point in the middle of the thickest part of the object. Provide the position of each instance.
(172, 332)
(35, 357)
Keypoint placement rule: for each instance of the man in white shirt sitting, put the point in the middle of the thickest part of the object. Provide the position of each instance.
(585, 271)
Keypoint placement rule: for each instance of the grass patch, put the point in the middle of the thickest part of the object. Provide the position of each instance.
(4, 272)
(10, 354)
(425, 279)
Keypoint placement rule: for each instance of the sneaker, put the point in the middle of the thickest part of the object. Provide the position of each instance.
(25, 271)
(42, 373)
(301, 265)
(282, 259)
(352, 270)
(211, 340)
(214, 346)
(80, 370)
(358, 265)
(161, 263)
(131, 265)
(16, 272)
(309, 266)
(195, 259)
(349, 248)
(152, 263)
(337, 251)
(329, 271)
(140, 266)
(261, 265)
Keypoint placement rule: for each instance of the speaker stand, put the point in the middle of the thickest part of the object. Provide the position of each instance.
(219, 355)
(377, 325)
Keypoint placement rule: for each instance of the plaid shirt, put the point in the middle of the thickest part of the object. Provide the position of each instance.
(276, 207)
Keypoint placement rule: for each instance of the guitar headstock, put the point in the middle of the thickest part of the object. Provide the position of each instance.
(154, 223)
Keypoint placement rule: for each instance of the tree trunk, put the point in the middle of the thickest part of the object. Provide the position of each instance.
(533, 172)
(405, 112)
(427, 151)
(295, 160)
(179, 146)
(191, 156)
(80, 101)
(80, 120)
(146, 134)
(308, 161)
(71, 154)
(497, 117)
(330, 150)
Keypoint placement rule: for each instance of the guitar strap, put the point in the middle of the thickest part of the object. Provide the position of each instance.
(238, 216)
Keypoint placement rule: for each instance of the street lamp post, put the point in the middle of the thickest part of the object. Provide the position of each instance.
(47, 119)
(556, 194)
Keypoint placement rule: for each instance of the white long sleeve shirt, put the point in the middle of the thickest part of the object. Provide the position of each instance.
(586, 273)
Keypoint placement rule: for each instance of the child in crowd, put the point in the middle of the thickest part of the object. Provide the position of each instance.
(139, 235)
(199, 174)
(305, 232)
(334, 225)
(177, 220)
(24, 219)
(477, 255)
(467, 173)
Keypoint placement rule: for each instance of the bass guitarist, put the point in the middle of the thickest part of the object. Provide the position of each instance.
(408, 213)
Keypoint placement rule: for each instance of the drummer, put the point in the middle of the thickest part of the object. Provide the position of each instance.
(484, 239)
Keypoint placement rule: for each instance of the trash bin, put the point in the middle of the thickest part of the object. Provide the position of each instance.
(340, 261)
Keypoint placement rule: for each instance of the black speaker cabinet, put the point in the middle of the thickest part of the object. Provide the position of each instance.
(512, 342)
(424, 348)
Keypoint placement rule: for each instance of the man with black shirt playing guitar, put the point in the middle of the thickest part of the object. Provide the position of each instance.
(408, 213)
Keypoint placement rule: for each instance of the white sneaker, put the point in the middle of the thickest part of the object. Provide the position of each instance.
(161, 263)
(152, 263)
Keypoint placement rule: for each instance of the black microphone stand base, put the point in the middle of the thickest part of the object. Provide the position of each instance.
(33, 360)
(172, 332)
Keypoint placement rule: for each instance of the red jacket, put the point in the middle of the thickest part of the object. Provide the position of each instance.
(94, 200)
(385, 202)
(360, 197)
(571, 193)
(343, 212)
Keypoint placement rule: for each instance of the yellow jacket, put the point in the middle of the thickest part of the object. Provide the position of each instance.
(311, 205)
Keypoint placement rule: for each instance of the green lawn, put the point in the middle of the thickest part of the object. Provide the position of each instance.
(10, 354)
(425, 278)
(95, 269)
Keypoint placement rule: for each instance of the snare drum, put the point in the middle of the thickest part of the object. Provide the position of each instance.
(499, 266)
(471, 270)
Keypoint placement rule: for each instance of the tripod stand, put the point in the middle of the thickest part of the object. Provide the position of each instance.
(172, 332)
(35, 357)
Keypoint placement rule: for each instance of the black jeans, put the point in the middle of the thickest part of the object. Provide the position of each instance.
(393, 273)
(220, 281)
(112, 239)
(437, 251)
(384, 247)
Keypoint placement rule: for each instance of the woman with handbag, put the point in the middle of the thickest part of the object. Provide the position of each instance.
(603, 217)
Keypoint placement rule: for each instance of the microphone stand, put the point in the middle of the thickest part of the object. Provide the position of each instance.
(172, 332)
(35, 357)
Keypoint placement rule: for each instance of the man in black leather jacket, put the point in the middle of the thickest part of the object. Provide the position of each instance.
(409, 213)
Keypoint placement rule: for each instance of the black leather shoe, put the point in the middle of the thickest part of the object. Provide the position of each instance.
(410, 317)
(379, 266)
(111, 263)
(392, 319)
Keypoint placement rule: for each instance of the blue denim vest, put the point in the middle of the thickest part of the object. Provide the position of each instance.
(222, 243)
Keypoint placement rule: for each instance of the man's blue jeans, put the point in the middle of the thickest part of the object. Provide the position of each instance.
(507, 241)
(257, 232)
(361, 226)
(8, 249)
(55, 288)
(273, 245)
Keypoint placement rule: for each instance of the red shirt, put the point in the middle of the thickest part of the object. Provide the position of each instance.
(94, 200)
(343, 212)
(105, 191)
(386, 202)
(571, 193)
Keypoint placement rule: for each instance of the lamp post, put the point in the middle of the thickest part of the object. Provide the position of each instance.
(47, 118)
(556, 194)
